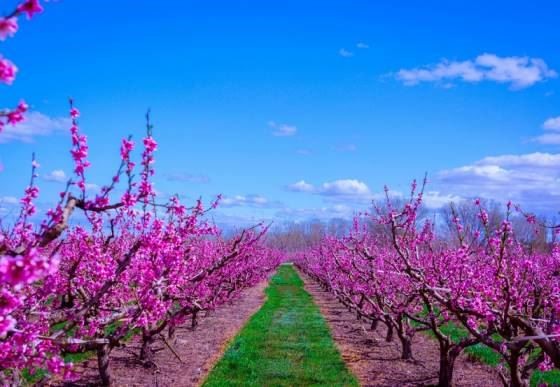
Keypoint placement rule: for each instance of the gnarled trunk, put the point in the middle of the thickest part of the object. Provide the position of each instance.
(147, 352)
(406, 347)
(517, 379)
(447, 357)
(171, 332)
(389, 336)
(103, 352)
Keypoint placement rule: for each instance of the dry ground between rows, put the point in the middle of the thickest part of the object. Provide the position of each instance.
(377, 363)
(199, 349)
(373, 361)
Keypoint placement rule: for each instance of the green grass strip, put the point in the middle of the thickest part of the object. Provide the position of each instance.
(286, 343)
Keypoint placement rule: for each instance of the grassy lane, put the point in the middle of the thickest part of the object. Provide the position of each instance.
(286, 343)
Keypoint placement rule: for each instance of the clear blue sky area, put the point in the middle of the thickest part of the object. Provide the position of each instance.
(295, 109)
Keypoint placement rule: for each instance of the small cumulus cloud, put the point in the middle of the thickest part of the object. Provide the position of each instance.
(57, 176)
(345, 53)
(301, 186)
(518, 72)
(362, 45)
(435, 199)
(551, 136)
(552, 123)
(336, 188)
(8, 205)
(12, 200)
(282, 130)
(345, 187)
(257, 201)
(35, 124)
(548, 139)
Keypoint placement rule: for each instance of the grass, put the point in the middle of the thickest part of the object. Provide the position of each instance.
(286, 343)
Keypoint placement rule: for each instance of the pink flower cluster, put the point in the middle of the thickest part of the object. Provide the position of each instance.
(63, 286)
(79, 150)
(14, 116)
(8, 70)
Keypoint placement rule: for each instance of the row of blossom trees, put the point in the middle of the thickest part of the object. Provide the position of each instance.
(132, 267)
(395, 269)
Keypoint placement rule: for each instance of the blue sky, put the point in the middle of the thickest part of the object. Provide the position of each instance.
(295, 109)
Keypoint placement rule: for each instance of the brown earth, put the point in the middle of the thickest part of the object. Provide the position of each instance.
(199, 349)
(377, 363)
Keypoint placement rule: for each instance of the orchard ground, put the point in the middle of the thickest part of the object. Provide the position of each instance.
(300, 336)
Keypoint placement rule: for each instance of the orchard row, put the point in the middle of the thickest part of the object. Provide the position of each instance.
(397, 268)
(131, 268)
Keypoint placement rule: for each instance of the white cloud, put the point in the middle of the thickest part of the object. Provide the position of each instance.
(282, 130)
(301, 186)
(345, 53)
(518, 72)
(248, 201)
(345, 187)
(552, 123)
(552, 132)
(35, 124)
(530, 179)
(354, 194)
(57, 176)
(435, 199)
(537, 159)
(362, 45)
(7, 205)
(9, 200)
(548, 139)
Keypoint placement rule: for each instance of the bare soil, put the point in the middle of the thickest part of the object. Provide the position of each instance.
(376, 362)
(199, 348)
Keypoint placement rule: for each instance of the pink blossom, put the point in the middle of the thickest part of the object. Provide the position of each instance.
(22, 107)
(7, 71)
(30, 8)
(8, 27)
(7, 323)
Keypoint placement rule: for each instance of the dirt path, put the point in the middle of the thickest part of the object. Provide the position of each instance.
(377, 363)
(199, 348)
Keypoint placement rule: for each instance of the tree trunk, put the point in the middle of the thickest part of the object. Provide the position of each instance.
(406, 350)
(194, 321)
(103, 352)
(171, 332)
(389, 336)
(146, 352)
(374, 324)
(516, 377)
(447, 357)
